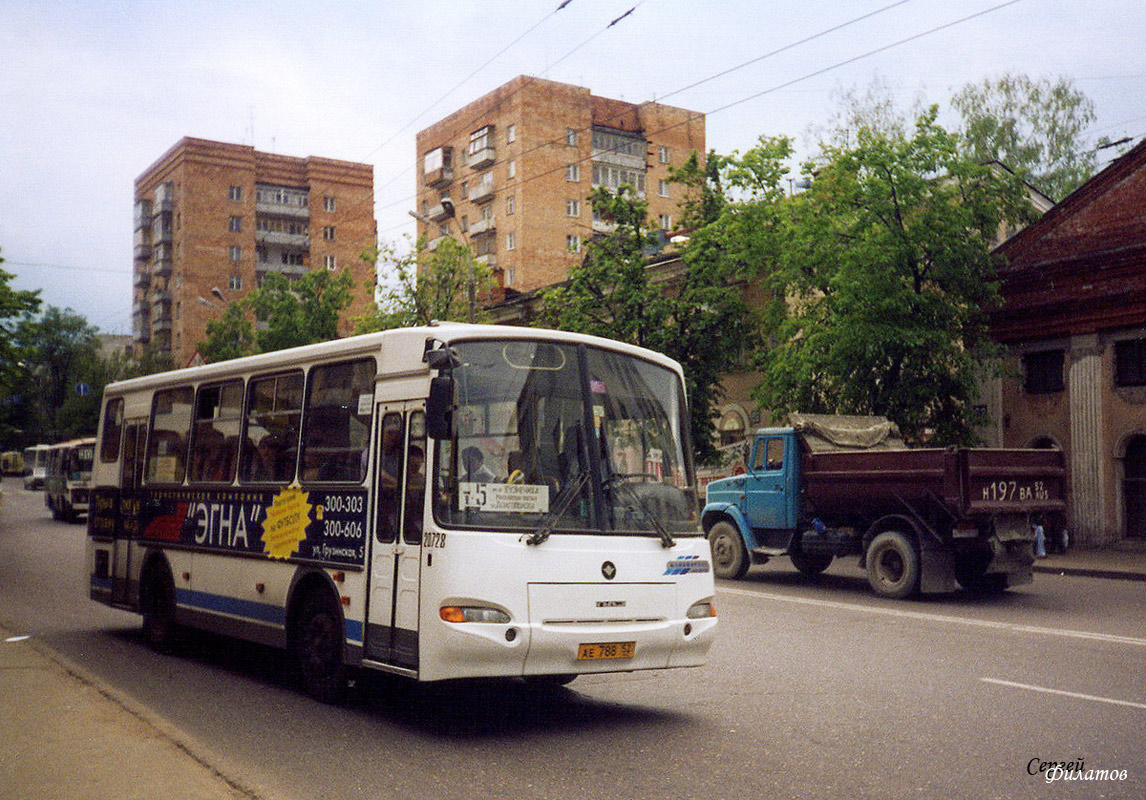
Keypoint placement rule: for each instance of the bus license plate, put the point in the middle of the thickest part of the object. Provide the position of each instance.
(595, 651)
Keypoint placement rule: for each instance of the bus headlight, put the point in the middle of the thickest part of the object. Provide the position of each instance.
(702, 610)
(473, 614)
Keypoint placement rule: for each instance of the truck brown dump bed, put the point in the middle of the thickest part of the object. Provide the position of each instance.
(867, 471)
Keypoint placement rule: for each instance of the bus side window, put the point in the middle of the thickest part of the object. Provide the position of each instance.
(390, 466)
(270, 442)
(112, 431)
(215, 434)
(167, 443)
(340, 400)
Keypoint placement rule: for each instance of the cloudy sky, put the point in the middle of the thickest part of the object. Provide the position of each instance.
(91, 93)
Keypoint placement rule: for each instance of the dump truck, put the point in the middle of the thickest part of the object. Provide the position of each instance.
(920, 519)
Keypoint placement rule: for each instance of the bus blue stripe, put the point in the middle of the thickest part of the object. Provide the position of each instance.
(263, 612)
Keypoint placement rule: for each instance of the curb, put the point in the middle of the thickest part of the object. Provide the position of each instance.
(1091, 572)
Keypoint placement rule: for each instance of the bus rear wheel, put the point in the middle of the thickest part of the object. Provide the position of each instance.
(318, 649)
(157, 602)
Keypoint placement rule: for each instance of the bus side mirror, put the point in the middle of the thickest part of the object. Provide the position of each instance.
(440, 408)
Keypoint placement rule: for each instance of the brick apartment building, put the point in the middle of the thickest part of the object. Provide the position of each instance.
(511, 173)
(213, 219)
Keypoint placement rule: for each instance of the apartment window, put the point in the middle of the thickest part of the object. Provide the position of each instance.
(663, 188)
(328, 233)
(261, 254)
(665, 221)
(236, 225)
(464, 222)
(510, 205)
(612, 178)
(236, 252)
(236, 193)
(573, 243)
(511, 133)
(465, 190)
(1043, 372)
(571, 137)
(572, 208)
(573, 172)
(663, 153)
(511, 241)
(1130, 363)
(328, 204)
(511, 169)
(292, 259)
(510, 276)
(330, 262)
(236, 283)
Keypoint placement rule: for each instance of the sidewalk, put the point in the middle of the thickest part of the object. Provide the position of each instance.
(64, 737)
(1124, 561)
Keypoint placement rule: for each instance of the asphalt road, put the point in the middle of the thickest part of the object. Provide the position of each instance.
(812, 691)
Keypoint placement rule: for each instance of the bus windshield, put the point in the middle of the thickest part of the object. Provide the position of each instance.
(566, 438)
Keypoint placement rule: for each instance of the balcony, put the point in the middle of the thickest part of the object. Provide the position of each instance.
(283, 239)
(442, 211)
(142, 277)
(281, 201)
(486, 225)
(488, 260)
(274, 209)
(161, 266)
(482, 192)
(438, 167)
(480, 159)
(142, 251)
(142, 214)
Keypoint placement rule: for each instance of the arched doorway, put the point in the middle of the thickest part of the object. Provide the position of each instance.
(1134, 487)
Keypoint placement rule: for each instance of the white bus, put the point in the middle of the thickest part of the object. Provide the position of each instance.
(35, 466)
(67, 478)
(452, 501)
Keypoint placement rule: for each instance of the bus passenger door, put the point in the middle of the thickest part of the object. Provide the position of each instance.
(127, 523)
(395, 566)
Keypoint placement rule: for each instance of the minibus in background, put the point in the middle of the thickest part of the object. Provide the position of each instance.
(451, 501)
(35, 466)
(67, 478)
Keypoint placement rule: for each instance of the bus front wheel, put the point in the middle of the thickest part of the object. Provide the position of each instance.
(318, 649)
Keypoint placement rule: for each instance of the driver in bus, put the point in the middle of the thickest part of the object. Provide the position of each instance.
(475, 469)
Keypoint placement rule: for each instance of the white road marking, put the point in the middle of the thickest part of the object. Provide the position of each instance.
(1075, 695)
(943, 618)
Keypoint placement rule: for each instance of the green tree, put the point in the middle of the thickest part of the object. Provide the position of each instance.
(15, 307)
(1035, 127)
(883, 282)
(230, 336)
(61, 356)
(302, 311)
(422, 286)
(690, 315)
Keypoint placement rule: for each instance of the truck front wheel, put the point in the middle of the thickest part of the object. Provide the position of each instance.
(893, 566)
(729, 556)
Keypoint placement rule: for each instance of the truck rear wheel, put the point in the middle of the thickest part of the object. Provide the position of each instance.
(893, 566)
(729, 556)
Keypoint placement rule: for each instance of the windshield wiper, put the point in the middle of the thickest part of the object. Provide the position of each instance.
(561, 504)
(622, 481)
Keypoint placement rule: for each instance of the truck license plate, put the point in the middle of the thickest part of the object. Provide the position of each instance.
(599, 650)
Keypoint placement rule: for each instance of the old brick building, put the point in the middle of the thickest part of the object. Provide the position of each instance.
(511, 171)
(1074, 323)
(213, 219)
